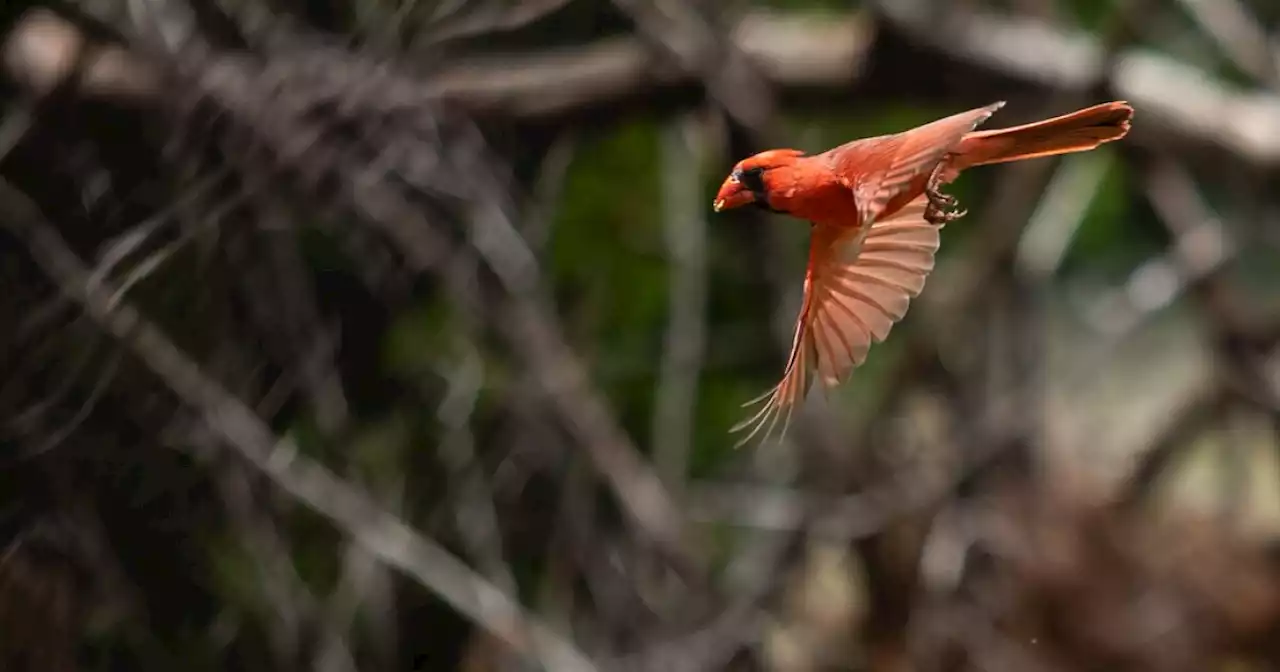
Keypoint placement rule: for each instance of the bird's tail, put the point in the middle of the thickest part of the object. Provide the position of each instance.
(1077, 131)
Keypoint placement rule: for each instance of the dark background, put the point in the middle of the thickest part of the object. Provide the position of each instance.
(400, 335)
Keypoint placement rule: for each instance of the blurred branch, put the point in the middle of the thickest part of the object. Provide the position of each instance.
(362, 579)
(351, 510)
(1178, 105)
(490, 18)
(42, 51)
(1204, 245)
(1238, 34)
(680, 31)
(527, 323)
(281, 294)
(292, 601)
(547, 192)
(419, 188)
(1066, 200)
(872, 511)
(1182, 424)
(742, 94)
(685, 229)
(476, 520)
(1201, 250)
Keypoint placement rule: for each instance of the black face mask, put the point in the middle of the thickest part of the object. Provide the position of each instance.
(753, 180)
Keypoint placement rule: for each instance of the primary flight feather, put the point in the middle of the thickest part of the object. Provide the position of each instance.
(875, 209)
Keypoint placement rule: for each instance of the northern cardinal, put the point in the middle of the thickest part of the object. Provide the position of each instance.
(875, 209)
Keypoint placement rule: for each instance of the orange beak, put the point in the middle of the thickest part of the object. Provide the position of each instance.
(732, 195)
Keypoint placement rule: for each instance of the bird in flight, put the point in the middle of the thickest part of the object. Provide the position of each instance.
(875, 209)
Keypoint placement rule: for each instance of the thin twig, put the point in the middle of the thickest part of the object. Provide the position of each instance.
(685, 234)
(476, 520)
(1238, 34)
(1182, 106)
(491, 18)
(353, 511)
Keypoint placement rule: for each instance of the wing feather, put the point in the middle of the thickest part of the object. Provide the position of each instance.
(882, 169)
(859, 284)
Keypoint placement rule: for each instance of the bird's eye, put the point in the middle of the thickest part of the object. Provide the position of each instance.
(753, 178)
(733, 177)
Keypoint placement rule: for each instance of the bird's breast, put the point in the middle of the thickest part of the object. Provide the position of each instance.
(823, 202)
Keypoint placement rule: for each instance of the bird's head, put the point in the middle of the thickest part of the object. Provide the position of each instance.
(752, 178)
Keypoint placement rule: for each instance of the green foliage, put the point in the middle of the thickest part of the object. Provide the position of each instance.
(1091, 14)
(608, 265)
(1118, 231)
(417, 337)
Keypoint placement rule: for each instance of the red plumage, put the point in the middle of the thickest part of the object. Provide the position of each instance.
(876, 211)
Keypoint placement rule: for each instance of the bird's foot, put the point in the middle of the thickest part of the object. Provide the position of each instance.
(941, 208)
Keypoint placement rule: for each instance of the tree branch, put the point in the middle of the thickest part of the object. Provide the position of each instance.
(1181, 107)
(351, 510)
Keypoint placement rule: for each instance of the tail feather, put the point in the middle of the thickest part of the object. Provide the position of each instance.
(1077, 131)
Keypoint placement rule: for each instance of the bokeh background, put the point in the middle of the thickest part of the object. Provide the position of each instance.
(381, 335)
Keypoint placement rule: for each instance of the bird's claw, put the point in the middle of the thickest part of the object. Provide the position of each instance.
(941, 208)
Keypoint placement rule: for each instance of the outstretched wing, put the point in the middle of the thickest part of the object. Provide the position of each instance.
(859, 283)
(882, 169)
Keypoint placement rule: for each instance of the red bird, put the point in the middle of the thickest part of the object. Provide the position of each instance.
(875, 211)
